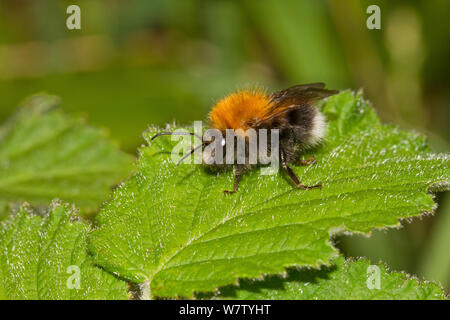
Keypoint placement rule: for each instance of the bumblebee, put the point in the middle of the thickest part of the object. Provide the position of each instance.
(292, 111)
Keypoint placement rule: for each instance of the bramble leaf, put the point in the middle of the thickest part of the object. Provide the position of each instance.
(45, 154)
(46, 258)
(172, 228)
(345, 280)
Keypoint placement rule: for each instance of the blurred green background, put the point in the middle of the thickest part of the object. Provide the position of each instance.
(140, 62)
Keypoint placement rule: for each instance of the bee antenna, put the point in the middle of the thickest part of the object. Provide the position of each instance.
(188, 154)
(176, 134)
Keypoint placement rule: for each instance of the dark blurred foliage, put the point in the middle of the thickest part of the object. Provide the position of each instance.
(140, 62)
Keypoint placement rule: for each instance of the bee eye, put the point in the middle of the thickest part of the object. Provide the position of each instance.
(223, 142)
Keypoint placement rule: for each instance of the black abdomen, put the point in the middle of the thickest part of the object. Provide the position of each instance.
(300, 122)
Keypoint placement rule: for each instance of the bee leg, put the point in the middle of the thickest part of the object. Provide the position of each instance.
(306, 162)
(237, 176)
(294, 177)
(240, 169)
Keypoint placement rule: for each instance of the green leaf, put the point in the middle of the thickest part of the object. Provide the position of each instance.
(40, 258)
(344, 280)
(45, 154)
(173, 228)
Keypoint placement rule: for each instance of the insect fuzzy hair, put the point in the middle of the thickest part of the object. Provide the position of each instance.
(292, 111)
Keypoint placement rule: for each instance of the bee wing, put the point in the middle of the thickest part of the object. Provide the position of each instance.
(295, 90)
(300, 94)
(292, 98)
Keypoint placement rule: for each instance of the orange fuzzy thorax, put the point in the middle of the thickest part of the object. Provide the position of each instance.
(240, 109)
